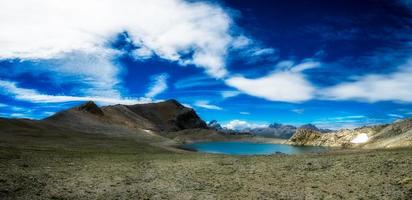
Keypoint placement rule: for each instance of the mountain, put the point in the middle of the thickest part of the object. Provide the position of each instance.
(165, 121)
(398, 134)
(214, 125)
(169, 115)
(313, 127)
(164, 116)
(275, 130)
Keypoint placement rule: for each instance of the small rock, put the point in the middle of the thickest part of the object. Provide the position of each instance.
(405, 181)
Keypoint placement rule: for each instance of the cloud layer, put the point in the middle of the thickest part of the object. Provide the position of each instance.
(394, 86)
(171, 29)
(30, 95)
(287, 85)
(73, 39)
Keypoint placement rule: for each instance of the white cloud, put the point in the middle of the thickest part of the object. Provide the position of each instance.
(305, 66)
(170, 29)
(2, 105)
(394, 86)
(288, 86)
(260, 51)
(230, 93)
(195, 81)
(158, 86)
(395, 115)
(241, 42)
(242, 125)
(91, 74)
(18, 115)
(348, 122)
(348, 117)
(207, 105)
(30, 95)
(298, 110)
(48, 113)
(244, 113)
(98, 75)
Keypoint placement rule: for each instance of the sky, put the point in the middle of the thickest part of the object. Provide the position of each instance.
(335, 64)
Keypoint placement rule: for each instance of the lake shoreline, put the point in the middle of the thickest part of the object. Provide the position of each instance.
(250, 148)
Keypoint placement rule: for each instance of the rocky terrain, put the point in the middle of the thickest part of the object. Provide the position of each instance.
(398, 134)
(128, 152)
(161, 117)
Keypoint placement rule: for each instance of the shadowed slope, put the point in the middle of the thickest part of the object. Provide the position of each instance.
(169, 115)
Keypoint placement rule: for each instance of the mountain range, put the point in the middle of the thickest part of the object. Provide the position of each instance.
(275, 130)
(169, 123)
(397, 134)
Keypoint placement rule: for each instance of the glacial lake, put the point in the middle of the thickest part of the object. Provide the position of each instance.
(251, 148)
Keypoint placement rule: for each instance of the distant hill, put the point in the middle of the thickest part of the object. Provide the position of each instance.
(398, 134)
(275, 130)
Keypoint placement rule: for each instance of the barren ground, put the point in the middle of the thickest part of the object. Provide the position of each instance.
(87, 166)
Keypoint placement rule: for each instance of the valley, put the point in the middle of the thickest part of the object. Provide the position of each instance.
(115, 152)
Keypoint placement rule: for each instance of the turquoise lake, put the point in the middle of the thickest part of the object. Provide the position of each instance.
(251, 148)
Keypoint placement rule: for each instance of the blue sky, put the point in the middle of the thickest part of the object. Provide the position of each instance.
(244, 63)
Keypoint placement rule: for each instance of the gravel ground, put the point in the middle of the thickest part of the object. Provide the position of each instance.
(131, 170)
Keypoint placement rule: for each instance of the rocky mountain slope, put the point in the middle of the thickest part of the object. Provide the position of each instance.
(398, 134)
(160, 117)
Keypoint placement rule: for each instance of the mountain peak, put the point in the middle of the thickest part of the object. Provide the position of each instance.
(173, 101)
(309, 126)
(90, 107)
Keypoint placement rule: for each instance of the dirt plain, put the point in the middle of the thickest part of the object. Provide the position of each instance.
(72, 165)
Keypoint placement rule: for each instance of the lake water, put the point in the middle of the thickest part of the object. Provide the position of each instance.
(250, 148)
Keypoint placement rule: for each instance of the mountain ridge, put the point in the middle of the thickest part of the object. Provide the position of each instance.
(168, 120)
(397, 134)
(163, 116)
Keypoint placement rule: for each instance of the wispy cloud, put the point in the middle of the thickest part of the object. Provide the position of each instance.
(244, 113)
(158, 85)
(348, 122)
(285, 85)
(229, 93)
(207, 105)
(394, 86)
(34, 96)
(298, 110)
(92, 74)
(195, 81)
(395, 115)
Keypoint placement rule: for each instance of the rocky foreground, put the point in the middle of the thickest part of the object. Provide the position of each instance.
(96, 167)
